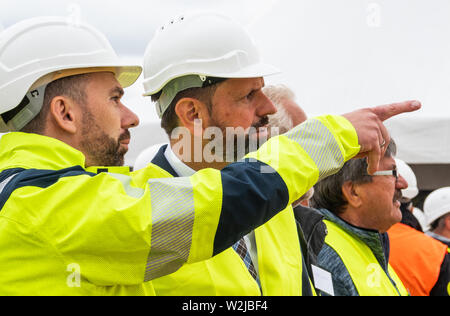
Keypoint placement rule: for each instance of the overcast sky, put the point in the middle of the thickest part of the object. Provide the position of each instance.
(129, 24)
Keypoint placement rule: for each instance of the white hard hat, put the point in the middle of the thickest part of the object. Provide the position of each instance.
(195, 46)
(420, 216)
(37, 51)
(408, 174)
(437, 204)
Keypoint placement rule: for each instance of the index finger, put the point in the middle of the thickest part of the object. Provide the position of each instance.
(385, 112)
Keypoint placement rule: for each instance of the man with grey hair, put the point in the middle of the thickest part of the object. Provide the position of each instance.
(289, 114)
(311, 229)
(359, 209)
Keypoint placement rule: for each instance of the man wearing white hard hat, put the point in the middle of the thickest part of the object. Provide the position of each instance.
(437, 212)
(205, 73)
(412, 216)
(71, 228)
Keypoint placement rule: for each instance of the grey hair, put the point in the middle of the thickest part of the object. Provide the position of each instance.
(282, 119)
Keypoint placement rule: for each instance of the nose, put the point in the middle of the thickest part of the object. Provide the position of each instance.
(265, 106)
(129, 118)
(401, 183)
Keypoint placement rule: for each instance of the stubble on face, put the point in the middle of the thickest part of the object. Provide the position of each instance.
(250, 139)
(99, 148)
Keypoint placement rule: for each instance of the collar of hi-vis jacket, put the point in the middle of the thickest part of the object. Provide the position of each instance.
(377, 242)
(32, 151)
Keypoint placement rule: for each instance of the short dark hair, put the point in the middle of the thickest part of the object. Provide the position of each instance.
(72, 87)
(328, 192)
(169, 120)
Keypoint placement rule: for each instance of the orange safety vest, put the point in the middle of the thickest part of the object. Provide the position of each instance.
(416, 257)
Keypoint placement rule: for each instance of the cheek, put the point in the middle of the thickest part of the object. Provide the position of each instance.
(234, 117)
(110, 122)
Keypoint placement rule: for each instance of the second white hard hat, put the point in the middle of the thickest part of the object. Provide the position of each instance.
(408, 174)
(37, 51)
(437, 204)
(204, 44)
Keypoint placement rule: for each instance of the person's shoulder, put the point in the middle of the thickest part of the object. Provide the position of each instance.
(147, 155)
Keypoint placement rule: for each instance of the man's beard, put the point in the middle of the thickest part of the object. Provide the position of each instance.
(99, 148)
(239, 145)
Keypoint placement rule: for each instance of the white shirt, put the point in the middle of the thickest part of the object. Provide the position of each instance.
(184, 170)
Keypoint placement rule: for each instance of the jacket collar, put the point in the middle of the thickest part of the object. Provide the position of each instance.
(161, 161)
(377, 242)
(32, 151)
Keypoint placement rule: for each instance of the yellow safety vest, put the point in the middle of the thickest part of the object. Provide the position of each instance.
(65, 231)
(279, 261)
(368, 276)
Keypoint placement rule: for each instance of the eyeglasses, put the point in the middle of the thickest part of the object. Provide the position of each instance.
(392, 172)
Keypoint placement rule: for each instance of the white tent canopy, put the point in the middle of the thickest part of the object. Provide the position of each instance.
(422, 140)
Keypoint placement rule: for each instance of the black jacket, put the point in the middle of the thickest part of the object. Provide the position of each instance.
(312, 233)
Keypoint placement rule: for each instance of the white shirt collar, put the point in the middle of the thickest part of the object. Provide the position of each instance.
(180, 167)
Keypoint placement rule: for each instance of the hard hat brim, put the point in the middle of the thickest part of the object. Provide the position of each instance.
(153, 85)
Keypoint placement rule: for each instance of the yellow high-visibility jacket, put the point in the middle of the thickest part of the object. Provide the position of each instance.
(279, 262)
(369, 278)
(67, 231)
(281, 268)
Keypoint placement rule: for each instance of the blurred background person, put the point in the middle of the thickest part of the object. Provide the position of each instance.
(409, 212)
(312, 230)
(289, 113)
(421, 262)
(437, 213)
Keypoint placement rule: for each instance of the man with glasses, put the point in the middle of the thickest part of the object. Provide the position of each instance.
(359, 209)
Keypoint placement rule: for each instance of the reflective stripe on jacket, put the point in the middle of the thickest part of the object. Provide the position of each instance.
(66, 231)
(279, 259)
(369, 277)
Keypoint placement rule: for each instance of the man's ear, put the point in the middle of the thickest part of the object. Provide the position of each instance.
(351, 193)
(189, 110)
(447, 222)
(63, 114)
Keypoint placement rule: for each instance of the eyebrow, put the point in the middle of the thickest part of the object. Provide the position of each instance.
(118, 90)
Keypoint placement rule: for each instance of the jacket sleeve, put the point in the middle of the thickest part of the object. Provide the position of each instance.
(230, 203)
(124, 230)
(280, 172)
